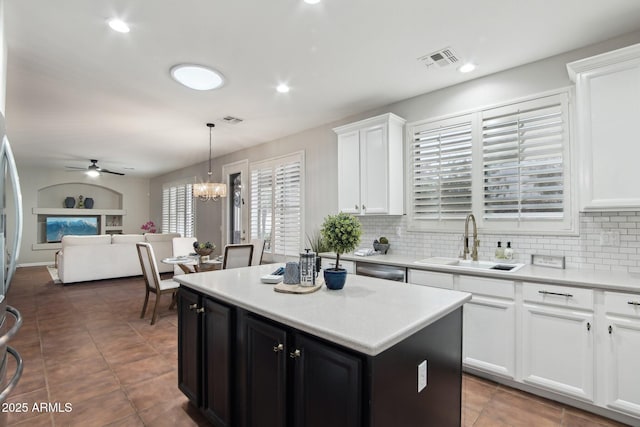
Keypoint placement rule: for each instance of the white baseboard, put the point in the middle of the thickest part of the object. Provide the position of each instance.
(35, 264)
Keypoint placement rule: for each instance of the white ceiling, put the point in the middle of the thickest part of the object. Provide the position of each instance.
(76, 90)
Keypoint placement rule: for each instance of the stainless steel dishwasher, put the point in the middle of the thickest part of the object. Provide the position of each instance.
(381, 271)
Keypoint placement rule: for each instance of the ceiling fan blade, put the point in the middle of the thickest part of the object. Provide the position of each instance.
(108, 171)
(76, 168)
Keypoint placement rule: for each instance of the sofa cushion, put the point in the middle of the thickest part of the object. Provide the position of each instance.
(103, 239)
(127, 238)
(157, 237)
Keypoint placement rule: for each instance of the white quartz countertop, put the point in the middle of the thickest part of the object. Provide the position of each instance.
(607, 280)
(368, 315)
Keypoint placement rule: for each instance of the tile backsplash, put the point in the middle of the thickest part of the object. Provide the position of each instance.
(607, 241)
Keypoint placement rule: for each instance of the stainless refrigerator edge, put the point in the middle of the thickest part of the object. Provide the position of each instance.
(10, 240)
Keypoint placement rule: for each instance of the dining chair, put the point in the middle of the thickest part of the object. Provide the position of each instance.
(237, 256)
(258, 251)
(153, 284)
(183, 246)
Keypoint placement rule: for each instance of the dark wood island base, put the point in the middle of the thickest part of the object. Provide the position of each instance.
(241, 369)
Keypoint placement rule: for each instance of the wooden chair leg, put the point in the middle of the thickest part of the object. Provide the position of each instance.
(174, 300)
(144, 306)
(155, 309)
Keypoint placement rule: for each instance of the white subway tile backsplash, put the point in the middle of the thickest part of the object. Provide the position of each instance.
(582, 251)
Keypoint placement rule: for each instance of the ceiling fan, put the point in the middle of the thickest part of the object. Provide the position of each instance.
(93, 169)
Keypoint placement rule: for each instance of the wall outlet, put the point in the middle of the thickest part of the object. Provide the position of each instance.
(422, 376)
(610, 238)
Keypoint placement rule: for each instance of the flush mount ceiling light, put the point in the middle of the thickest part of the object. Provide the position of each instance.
(119, 26)
(209, 190)
(312, 1)
(467, 68)
(282, 88)
(197, 77)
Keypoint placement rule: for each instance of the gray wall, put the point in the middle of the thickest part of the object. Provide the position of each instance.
(320, 145)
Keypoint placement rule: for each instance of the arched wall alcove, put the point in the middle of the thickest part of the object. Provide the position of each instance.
(53, 196)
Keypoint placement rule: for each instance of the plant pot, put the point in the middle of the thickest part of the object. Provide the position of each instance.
(203, 251)
(335, 278)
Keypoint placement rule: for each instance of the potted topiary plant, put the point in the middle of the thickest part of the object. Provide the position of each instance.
(341, 233)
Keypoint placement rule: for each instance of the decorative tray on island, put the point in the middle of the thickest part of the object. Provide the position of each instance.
(297, 288)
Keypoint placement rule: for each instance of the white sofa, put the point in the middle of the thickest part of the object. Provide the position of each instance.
(106, 256)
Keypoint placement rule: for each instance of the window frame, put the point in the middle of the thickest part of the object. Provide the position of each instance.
(533, 226)
(273, 164)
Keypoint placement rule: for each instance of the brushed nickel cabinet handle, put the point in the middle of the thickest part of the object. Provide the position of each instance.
(633, 303)
(278, 348)
(294, 354)
(200, 310)
(356, 207)
(610, 329)
(193, 306)
(588, 326)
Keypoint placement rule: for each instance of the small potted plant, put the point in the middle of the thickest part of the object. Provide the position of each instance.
(203, 248)
(341, 233)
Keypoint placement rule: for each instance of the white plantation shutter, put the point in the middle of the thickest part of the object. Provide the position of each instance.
(523, 157)
(262, 205)
(276, 204)
(178, 209)
(288, 209)
(441, 160)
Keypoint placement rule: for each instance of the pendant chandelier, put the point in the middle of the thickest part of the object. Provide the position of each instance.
(209, 190)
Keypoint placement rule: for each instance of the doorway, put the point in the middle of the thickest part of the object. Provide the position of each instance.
(235, 215)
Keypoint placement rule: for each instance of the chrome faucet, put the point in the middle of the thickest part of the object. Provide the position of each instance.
(476, 242)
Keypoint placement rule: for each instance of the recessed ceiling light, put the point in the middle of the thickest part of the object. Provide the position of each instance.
(312, 1)
(119, 26)
(197, 77)
(282, 88)
(467, 68)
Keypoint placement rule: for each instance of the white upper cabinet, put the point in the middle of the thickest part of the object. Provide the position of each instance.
(370, 166)
(608, 106)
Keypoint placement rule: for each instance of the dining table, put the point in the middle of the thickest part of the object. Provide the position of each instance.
(187, 261)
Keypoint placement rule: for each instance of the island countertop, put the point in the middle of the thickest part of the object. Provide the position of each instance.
(368, 315)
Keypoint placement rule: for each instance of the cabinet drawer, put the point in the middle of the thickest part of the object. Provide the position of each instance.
(563, 296)
(350, 266)
(491, 287)
(621, 303)
(430, 278)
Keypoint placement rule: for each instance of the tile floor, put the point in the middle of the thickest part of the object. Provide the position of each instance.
(85, 345)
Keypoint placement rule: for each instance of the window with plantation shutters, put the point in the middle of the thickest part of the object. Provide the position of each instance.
(508, 165)
(178, 209)
(441, 164)
(276, 204)
(523, 158)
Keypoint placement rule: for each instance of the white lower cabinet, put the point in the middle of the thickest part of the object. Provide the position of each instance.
(488, 340)
(558, 339)
(429, 278)
(622, 352)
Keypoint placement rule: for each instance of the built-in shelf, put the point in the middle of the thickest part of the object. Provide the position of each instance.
(74, 211)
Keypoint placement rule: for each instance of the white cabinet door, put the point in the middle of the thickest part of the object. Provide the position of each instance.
(429, 278)
(557, 350)
(370, 166)
(622, 364)
(349, 172)
(374, 173)
(608, 105)
(488, 341)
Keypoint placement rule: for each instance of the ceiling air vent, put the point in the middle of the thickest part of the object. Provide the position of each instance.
(442, 58)
(232, 120)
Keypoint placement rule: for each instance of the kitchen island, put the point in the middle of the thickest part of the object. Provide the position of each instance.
(372, 354)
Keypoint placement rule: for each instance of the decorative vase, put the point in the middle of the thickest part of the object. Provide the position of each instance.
(335, 279)
(69, 202)
(88, 203)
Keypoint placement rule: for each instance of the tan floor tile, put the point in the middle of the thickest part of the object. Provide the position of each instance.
(42, 420)
(156, 391)
(85, 387)
(129, 354)
(22, 408)
(177, 414)
(577, 418)
(144, 369)
(510, 408)
(97, 411)
(130, 421)
(61, 371)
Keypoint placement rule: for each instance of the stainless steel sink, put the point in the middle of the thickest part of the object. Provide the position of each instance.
(470, 265)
